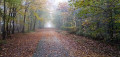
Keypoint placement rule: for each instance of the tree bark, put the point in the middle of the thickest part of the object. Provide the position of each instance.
(14, 15)
(34, 24)
(4, 18)
(13, 26)
(23, 30)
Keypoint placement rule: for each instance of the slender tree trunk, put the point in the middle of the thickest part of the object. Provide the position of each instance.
(4, 18)
(10, 27)
(111, 25)
(14, 15)
(28, 27)
(8, 21)
(13, 26)
(23, 30)
(9, 32)
(34, 24)
(7, 28)
(31, 25)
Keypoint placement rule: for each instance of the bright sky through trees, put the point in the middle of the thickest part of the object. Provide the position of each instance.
(49, 25)
(56, 2)
(51, 6)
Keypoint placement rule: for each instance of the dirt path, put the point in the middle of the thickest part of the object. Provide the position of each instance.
(51, 45)
(55, 43)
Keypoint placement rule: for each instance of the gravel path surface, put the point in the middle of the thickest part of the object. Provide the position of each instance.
(51, 47)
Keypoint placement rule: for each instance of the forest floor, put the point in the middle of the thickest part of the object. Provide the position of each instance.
(55, 43)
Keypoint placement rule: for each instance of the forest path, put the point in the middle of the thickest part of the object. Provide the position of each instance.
(55, 43)
(51, 45)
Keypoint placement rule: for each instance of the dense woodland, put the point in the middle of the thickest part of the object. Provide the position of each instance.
(20, 16)
(96, 19)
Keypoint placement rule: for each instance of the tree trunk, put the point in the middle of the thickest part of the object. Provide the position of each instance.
(8, 25)
(111, 25)
(14, 15)
(7, 28)
(23, 30)
(31, 25)
(13, 26)
(4, 18)
(34, 24)
(28, 27)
